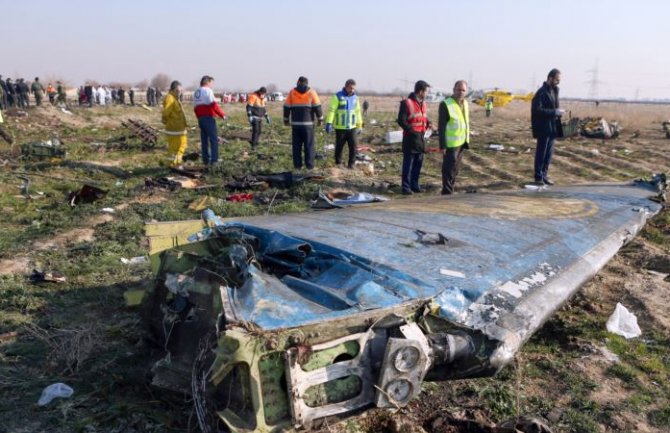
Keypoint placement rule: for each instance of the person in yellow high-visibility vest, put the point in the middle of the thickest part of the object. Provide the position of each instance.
(174, 120)
(344, 115)
(454, 132)
(488, 106)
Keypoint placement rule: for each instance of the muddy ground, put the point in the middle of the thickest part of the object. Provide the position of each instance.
(573, 375)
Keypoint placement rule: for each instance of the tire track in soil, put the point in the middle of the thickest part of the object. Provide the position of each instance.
(651, 154)
(577, 171)
(493, 168)
(619, 163)
(593, 166)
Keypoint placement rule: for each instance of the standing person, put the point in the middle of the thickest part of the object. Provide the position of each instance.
(37, 90)
(301, 108)
(174, 120)
(545, 118)
(122, 96)
(345, 111)
(101, 95)
(131, 96)
(488, 106)
(256, 112)
(206, 108)
(90, 94)
(366, 106)
(150, 96)
(23, 90)
(51, 93)
(11, 93)
(60, 89)
(159, 95)
(454, 131)
(413, 119)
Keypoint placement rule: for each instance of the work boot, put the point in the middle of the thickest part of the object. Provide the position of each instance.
(548, 181)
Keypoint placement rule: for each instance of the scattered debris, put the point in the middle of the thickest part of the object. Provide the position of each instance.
(533, 187)
(140, 130)
(393, 137)
(285, 179)
(495, 146)
(161, 183)
(623, 322)
(340, 199)
(46, 277)
(55, 390)
(107, 210)
(134, 261)
(203, 203)
(599, 128)
(87, 194)
(431, 238)
(42, 149)
(329, 147)
(609, 355)
(240, 197)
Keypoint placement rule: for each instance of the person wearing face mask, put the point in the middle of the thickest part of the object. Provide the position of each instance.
(344, 115)
(454, 132)
(545, 118)
(174, 120)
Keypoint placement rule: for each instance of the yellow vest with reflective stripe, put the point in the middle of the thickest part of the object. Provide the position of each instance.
(457, 131)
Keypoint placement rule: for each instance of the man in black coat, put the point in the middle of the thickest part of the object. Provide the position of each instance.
(413, 120)
(545, 118)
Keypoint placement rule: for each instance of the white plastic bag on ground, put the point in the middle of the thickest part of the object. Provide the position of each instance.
(623, 322)
(54, 390)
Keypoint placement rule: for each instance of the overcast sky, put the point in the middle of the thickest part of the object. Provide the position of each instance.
(245, 44)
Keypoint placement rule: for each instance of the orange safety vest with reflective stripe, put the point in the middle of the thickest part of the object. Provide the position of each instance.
(302, 108)
(416, 115)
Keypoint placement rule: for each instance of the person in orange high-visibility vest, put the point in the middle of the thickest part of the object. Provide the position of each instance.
(256, 113)
(413, 119)
(301, 108)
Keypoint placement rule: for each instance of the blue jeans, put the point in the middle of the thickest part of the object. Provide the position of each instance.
(209, 141)
(411, 169)
(543, 153)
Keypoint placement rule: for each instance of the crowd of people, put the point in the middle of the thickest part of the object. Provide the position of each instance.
(302, 110)
(118, 95)
(18, 93)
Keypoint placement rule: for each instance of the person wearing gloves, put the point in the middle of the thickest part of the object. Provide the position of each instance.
(301, 108)
(545, 118)
(344, 115)
(256, 112)
(174, 120)
(206, 107)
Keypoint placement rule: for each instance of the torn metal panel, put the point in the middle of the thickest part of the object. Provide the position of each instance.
(326, 313)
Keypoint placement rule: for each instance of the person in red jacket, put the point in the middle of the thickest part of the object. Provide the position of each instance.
(206, 108)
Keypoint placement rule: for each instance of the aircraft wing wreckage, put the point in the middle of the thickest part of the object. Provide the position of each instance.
(283, 321)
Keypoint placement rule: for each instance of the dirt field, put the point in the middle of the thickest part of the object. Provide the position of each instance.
(572, 374)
